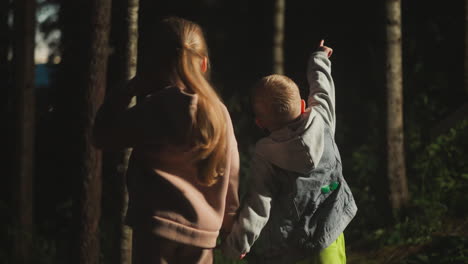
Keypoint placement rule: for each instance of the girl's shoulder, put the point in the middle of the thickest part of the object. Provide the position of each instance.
(175, 105)
(171, 95)
(171, 90)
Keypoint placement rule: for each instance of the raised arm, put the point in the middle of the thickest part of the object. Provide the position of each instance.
(255, 210)
(321, 87)
(147, 123)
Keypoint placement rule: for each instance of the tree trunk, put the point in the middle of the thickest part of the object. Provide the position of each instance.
(466, 46)
(85, 39)
(6, 80)
(278, 37)
(90, 198)
(23, 52)
(146, 18)
(4, 40)
(396, 170)
(124, 35)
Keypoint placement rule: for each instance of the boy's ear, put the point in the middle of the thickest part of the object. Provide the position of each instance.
(204, 64)
(303, 106)
(258, 123)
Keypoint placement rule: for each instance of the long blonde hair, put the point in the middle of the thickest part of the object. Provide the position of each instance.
(176, 55)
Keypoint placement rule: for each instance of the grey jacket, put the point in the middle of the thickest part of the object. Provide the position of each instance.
(298, 201)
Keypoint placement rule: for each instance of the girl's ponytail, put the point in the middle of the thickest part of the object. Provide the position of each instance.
(209, 129)
(174, 57)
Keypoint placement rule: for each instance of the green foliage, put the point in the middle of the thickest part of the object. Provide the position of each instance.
(438, 181)
(44, 250)
(441, 170)
(363, 170)
(443, 250)
(422, 220)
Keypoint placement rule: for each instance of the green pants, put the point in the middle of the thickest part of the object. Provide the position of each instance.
(333, 254)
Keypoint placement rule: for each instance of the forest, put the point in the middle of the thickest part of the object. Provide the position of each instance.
(400, 69)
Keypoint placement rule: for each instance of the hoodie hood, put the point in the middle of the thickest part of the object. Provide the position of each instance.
(297, 147)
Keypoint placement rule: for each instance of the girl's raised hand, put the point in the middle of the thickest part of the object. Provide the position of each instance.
(326, 49)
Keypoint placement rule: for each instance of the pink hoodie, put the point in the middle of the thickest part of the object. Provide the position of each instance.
(165, 197)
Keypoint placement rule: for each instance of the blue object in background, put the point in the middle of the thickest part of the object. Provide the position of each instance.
(42, 75)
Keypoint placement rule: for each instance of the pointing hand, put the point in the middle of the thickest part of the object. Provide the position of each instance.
(326, 49)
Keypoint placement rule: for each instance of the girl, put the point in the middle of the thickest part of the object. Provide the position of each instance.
(183, 173)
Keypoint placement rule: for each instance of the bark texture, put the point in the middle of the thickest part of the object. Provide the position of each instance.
(124, 35)
(23, 59)
(85, 39)
(396, 169)
(278, 37)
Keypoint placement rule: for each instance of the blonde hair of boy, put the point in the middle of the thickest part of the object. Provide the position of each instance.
(276, 101)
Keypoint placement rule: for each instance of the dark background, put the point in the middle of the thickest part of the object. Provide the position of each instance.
(240, 37)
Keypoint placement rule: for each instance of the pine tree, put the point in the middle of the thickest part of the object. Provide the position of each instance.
(86, 26)
(23, 59)
(278, 37)
(396, 169)
(122, 68)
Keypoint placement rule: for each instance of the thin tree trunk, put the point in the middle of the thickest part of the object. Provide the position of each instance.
(146, 19)
(4, 39)
(24, 35)
(278, 37)
(466, 46)
(6, 79)
(131, 64)
(396, 170)
(123, 68)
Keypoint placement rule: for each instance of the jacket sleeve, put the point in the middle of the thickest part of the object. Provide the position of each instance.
(149, 122)
(321, 87)
(232, 196)
(255, 210)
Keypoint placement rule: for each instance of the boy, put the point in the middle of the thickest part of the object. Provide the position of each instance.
(298, 203)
